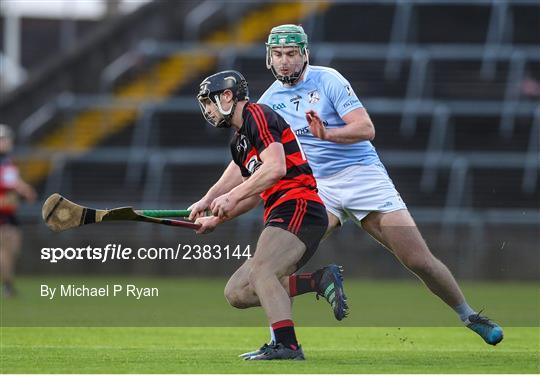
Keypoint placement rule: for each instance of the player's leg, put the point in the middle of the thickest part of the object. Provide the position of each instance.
(333, 223)
(326, 281)
(238, 291)
(277, 254)
(285, 245)
(240, 294)
(397, 231)
(9, 248)
(370, 199)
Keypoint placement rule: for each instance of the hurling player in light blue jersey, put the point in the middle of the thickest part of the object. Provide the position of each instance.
(335, 131)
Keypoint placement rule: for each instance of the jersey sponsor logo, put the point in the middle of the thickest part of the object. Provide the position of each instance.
(279, 106)
(297, 98)
(253, 164)
(387, 204)
(242, 144)
(314, 96)
(302, 131)
(350, 103)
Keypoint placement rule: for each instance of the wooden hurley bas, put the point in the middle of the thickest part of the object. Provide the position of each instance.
(61, 214)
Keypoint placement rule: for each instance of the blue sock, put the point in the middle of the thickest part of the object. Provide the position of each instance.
(464, 311)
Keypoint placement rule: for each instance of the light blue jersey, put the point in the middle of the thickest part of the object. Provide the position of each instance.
(327, 92)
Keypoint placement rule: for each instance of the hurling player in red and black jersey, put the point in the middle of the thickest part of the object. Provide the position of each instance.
(268, 164)
(12, 187)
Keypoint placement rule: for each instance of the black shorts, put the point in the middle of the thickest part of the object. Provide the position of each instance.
(304, 218)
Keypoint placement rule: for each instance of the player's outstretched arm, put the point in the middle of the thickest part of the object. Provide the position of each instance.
(230, 178)
(271, 171)
(25, 190)
(358, 127)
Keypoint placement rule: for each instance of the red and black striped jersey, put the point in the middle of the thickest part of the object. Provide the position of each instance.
(9, 176)
(261, 127)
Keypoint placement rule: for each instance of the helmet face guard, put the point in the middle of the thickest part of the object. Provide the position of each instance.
(287, 36)
(211, 90)
(224, 120)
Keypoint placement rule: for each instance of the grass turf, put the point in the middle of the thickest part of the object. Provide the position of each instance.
(394, 327)
(200, 303)
(215, 350)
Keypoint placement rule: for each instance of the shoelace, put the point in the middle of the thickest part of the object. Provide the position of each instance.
(478, 319)
(270, 348)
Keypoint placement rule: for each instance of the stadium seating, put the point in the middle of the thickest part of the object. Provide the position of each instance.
(454, 127)
(445, 78)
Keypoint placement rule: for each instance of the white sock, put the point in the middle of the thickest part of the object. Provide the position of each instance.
(464, 311)
(272, 336)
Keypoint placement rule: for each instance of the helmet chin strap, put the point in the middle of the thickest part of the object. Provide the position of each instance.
(289, 80)
(226, 122)
(293, 78)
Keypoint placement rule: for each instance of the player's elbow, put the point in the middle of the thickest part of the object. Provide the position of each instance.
(371, 134)
(369, 131)
(277, 172)
(364, 131)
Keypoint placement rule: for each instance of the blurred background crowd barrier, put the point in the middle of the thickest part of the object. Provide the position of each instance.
(105, 113)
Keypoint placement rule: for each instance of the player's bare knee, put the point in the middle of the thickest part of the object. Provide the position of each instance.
(234, 297)
(235, 302)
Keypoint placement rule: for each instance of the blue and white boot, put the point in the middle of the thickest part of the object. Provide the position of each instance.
(485, 328)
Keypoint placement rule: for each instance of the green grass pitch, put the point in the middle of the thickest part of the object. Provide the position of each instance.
(394, 327)
(215, 350)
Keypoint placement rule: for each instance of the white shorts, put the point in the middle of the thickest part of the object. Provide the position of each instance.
(359, 190)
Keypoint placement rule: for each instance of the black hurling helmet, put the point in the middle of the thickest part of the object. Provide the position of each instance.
(212, 87)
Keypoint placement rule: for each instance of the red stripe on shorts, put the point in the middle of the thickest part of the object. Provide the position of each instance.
(295, 214)
(301, 215)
